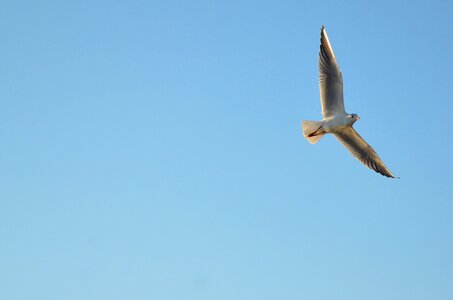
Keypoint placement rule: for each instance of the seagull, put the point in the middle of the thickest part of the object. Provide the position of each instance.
(335, 119)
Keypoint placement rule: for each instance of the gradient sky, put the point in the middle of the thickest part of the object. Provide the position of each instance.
(153, 150)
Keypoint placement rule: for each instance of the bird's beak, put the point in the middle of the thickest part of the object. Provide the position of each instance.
(358, 118)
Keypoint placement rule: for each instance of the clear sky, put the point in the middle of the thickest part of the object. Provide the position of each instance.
(153, 150)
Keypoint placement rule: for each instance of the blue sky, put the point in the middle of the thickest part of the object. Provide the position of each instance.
(153, 150)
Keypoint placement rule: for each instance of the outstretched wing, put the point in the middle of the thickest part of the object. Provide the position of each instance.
(330, 79)
(362, 151)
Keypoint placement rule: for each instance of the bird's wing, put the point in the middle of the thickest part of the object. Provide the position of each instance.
(362, 151)
(330, 79)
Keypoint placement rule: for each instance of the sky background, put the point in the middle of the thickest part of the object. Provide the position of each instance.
(153, 150)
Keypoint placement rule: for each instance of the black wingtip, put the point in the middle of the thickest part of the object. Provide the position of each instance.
(390, 175)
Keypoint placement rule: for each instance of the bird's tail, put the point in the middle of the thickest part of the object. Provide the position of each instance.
(312, 131)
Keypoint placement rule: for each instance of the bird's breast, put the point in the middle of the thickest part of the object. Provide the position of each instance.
(336, 123)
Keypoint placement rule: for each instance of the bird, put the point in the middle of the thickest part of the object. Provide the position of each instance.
(335, 119)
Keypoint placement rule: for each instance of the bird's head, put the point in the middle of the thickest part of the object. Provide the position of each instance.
(353, 117)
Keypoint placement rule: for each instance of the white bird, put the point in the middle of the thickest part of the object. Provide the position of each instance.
(335, 119)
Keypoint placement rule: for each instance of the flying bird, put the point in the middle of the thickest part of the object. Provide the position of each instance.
(335, 119)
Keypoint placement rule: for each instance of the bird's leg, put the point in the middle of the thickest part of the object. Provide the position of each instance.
(314, 133)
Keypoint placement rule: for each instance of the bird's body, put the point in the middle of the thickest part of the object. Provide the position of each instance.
(337, 123)
(335, 119)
